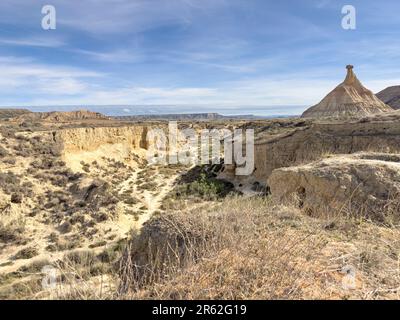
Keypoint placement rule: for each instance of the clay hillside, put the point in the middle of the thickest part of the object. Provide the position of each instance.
(390, 96)
(349, 99)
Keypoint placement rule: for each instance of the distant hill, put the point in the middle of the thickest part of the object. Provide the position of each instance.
(59, 116)
(11, 113)
(390, 96)
(183, 116)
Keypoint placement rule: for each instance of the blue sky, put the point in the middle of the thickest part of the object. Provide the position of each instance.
(232, 54)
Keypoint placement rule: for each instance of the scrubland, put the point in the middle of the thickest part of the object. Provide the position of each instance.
(119, 229)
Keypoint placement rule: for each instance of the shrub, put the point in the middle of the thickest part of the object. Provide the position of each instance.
(27, 253)
(207, 188)
(9, 182)
(10, 161)
(98, 244)
(80, 257)
(35, 266)
(130, 200)
(11, 228)
(3, 152)
(7, 132)
(66, 227)
(148, 186)
(16, 198)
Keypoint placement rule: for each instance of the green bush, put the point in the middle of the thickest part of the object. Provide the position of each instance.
(204, 187)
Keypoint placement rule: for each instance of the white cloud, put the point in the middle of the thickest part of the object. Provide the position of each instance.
(255, 92)
(62, 86)
(24, 77)
(128, 16)
(47, 42)
(116, 56)
(42, 84)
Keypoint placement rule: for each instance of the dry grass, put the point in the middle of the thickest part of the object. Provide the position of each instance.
(82, 275)
(252, 249)
(242, 248)
(12, 227)
(233, 252)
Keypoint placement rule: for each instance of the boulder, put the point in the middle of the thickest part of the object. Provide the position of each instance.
(362, 183)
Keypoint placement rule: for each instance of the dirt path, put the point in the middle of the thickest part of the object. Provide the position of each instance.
(149, 199)
(153, 203)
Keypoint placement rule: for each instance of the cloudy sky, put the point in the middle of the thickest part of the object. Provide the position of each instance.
(224, 53)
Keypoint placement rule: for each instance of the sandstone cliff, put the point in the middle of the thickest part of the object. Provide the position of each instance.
(95, 143)
(89, 139)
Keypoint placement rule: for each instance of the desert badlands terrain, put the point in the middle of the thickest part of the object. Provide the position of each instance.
(84, 215)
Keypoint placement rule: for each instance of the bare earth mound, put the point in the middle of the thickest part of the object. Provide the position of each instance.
(390, 96)
(349, 99)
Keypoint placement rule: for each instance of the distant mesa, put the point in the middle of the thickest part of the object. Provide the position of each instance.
(349, 99)
(390, 96)
(178, 116)
(59, 116)
(184, 116)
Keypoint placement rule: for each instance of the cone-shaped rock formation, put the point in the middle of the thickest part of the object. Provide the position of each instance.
(349, 99)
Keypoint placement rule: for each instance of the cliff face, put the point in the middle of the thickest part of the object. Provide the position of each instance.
(90, 139)
(93, 144)
(379, 134)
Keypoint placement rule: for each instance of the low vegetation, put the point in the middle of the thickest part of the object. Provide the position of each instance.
(249, 248)
(12, 228)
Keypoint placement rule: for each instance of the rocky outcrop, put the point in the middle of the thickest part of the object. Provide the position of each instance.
(380, 133)
(390, 96)
(349, 99)
(362, 183)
